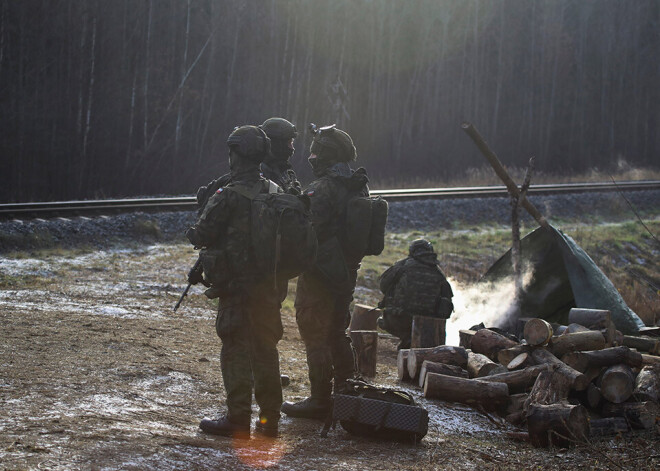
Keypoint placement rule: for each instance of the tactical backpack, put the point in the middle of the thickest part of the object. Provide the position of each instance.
(281, 233)
(422, 290)
(366, 217)
(367, 410)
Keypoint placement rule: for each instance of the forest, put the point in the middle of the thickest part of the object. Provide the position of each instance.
(137, 97)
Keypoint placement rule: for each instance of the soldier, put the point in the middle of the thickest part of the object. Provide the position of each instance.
(414, 286)
(275, 167)
(324, 293)
(248, 321)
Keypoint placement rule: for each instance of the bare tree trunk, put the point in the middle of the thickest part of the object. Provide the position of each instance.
(145, 124)
(88, 114)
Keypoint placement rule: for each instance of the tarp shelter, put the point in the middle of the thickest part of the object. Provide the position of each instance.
(564, 276)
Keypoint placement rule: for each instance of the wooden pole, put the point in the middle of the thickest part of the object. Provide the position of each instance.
(471, 131)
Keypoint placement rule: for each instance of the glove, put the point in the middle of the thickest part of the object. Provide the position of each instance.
(196, 275)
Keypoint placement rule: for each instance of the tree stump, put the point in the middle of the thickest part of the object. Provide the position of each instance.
(465, 391)
(578, 341)
(617, 383)
(427, 332)
(537, 332)
(557, 424)
(647, 384)
(440, 368)
(551, 387)
(479, 365)
(364, 317)
(443, 354)
(402, 365)
(365, 343)
(489, 342)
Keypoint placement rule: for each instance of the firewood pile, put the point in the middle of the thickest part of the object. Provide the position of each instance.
(564, 384)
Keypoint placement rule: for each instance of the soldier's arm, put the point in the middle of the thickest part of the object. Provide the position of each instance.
(213, 218)
(388, 277)
(323, 208)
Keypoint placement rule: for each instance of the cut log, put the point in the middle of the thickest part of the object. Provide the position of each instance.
(364, 317)
(650, 359)
(427, 332)
(574, 328)
(617, 383)
(551, 387)
(557, 424)
(440, 368)
(402, 365)
(465, 337)
(479, 365)
(519, 381)
(443, 354)
(488, 342)
(608, 426)
(520, 326)
(640, 415)
(465, 391)
(606, 357)
(645, 344)
(365, 343)
(578, 380)
(578, 341)
(594, 319)
(647, 384)
(537, 332)
(505, 356)
(521, 361)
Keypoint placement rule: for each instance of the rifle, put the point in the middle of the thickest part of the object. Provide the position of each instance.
(185, 291)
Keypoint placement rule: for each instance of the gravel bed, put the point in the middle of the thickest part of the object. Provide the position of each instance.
(421, 215)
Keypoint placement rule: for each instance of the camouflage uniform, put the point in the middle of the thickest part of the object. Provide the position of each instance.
(324, 293)
(414, 286)
(248, 320)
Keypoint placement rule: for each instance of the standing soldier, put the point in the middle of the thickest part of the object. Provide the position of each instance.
(248, 321)
(414, 286)
(275, 167)
(325, 292)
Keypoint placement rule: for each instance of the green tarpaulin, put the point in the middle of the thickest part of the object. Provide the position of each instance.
(564, 276)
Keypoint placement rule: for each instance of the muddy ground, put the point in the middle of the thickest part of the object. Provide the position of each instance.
(98, 372)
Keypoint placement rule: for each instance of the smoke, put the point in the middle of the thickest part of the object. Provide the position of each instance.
(494, 304)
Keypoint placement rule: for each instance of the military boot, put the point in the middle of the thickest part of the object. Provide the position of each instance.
(316, 408)
(267, 425)
(226, 427)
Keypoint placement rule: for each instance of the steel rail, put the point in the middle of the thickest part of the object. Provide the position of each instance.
(186, 203)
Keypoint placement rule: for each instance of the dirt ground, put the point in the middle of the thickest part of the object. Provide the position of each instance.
(98, 372)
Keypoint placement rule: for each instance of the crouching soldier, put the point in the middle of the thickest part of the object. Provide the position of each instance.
(325, 292)
(414, 286)
(248, 321)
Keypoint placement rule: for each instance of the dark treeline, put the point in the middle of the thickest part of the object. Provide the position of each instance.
(133, 97)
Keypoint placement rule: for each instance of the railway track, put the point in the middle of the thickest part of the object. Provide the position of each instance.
(187, 203)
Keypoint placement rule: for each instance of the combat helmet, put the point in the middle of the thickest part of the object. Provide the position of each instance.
(250, 142)
(419, 247)
(330, 143)
(279, 128)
